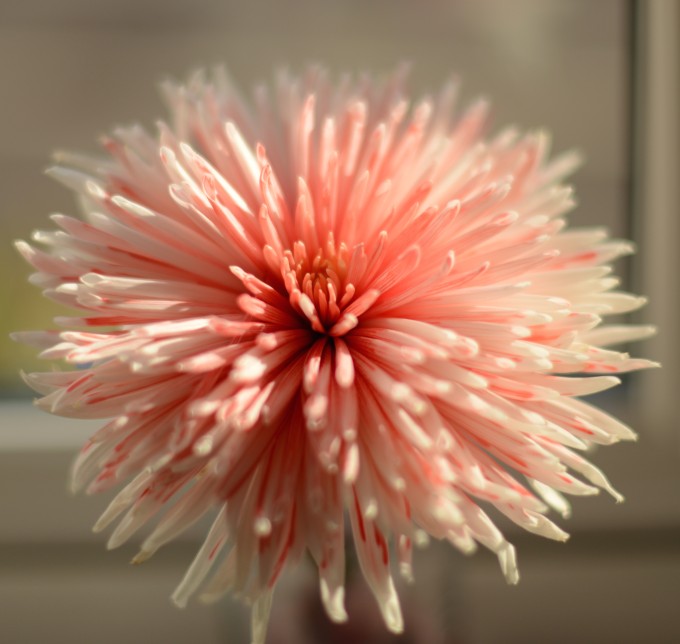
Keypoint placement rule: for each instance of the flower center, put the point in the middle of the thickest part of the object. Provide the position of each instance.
(317, 284)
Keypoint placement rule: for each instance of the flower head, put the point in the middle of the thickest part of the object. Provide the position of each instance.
(325, 307)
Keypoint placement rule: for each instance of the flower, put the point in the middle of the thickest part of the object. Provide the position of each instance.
(324, 307)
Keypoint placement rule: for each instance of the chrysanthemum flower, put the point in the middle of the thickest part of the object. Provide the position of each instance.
(324, 307)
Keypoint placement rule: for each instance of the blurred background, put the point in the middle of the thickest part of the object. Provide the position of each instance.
(602, 76)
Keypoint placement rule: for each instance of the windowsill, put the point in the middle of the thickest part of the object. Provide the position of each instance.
(36, 450)
(25, 428)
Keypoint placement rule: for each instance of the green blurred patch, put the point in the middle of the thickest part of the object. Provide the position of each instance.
(23, 308)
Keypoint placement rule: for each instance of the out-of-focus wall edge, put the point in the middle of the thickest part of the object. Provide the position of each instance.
(656, 203)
